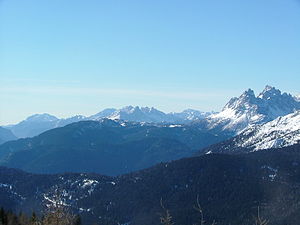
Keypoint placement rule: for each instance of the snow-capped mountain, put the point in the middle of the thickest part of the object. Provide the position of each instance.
(281, 132)
(191, 115)
(103, 114)
(140, 114)
(64, 122)
(149, 115)
(249, 109)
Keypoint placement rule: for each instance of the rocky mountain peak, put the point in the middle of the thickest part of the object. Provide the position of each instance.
(248, 109)
(244, 101)
(248, 94)
(269, 92)
(129, 109)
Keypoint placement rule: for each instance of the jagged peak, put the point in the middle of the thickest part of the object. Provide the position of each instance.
(268, 92)
(128, 107)
(268, 88)
(132, 109)
(150, 110)
(147, 109)
(249, 91)
(247, 96)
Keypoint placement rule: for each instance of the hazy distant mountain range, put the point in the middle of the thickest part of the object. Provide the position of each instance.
(38, 123)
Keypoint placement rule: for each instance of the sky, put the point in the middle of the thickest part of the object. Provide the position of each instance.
(70, 57)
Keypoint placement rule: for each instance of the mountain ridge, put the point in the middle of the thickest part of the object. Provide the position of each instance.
(229, 188)
(236, 115)
(249, 109)
(6, 135)
(106, 146)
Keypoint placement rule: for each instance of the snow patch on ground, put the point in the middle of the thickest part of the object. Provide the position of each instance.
(272, 172)
(88, 183)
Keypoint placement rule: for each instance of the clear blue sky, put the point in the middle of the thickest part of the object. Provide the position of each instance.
(78, 57)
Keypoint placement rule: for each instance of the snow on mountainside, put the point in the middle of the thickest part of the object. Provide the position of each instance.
(140, 114)
(64, 122)
(248, 109)
(103, 114)
(281, 132)
(149, 115)
(191, 114)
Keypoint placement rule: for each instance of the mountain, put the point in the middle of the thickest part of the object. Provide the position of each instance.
(140, 114)
(106, 146)
(6, 135)
(103, 114)
(249, 109)
(191, 115)
(73, 119)
(228, 187)
(150, 115)
(278, 133)
(38, 123)
(237, 114)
